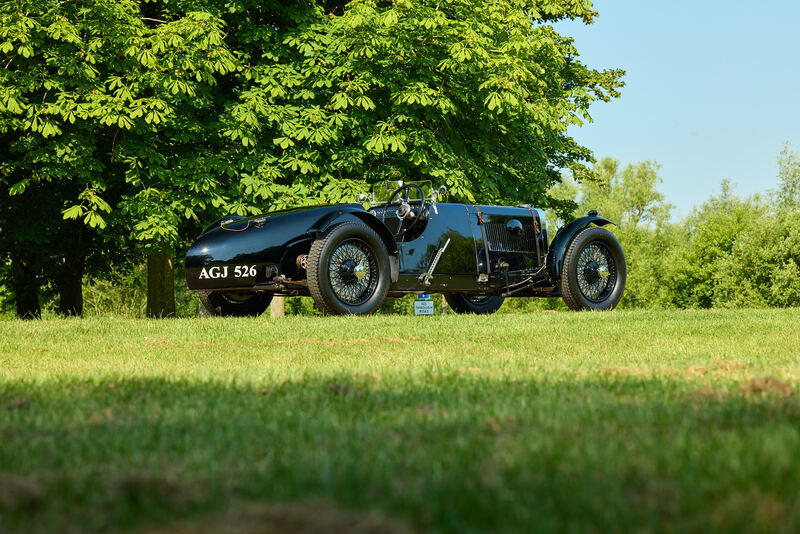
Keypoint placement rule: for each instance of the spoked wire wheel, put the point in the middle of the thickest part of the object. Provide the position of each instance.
(348, 270)
(597, 272)
(353, 272)
(594, 273)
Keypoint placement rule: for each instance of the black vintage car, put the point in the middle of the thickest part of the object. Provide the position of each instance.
(349, 258)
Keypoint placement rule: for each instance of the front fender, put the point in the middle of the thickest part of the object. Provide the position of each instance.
(558, 248)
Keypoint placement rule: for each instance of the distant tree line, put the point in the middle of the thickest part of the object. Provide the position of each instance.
(125, 125)
(729, 252)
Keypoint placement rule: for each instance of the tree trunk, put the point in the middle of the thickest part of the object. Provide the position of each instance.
(25, 284)
(70, 293)
(160, 285)
(70, 283)
(277, 307)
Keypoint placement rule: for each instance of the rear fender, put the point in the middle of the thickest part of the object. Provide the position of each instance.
(562, 240)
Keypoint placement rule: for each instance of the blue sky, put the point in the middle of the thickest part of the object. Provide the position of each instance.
(713, 90)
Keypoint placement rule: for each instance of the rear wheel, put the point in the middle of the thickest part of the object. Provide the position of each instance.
(479, 304)
(237, 303)
(348, 270)
(594, 273)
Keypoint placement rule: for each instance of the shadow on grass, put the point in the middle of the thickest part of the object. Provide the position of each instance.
(456, 452)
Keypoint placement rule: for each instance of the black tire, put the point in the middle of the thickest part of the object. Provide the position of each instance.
(481, 305)
(348, 270)
(594, 273)
(237, 303)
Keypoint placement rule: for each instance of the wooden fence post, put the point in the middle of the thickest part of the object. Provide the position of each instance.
(160, 285)
(277, 307)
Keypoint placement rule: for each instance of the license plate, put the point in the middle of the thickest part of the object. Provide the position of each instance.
(228, 271)
(423, 307)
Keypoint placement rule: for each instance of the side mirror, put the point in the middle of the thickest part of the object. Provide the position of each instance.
(442, 191)
(362, 197)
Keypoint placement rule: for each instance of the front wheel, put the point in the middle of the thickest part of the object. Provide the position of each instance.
(593, 275)
(236, 303)
(348, 270)
(479, 304)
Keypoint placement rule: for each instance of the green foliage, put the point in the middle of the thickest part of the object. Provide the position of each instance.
(730, 252)
(124, 294)
(141, 120)
(763, 267)
(788, 194)
(628, 196)
(99, 112)
(301, 306)
(468, 94)
(260, 105)
(709, 234)
(6, 297)
(94, 96)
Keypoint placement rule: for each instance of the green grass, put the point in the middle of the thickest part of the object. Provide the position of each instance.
(646, 421)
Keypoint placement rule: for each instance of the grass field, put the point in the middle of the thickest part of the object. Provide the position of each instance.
(551, 422)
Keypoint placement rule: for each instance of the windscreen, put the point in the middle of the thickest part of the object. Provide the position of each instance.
(384, 190)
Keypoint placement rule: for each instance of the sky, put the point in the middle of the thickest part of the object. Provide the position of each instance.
(712, 90)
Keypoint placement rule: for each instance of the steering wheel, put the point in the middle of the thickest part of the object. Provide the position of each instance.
(405, 200)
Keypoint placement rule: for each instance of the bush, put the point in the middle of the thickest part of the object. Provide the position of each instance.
(124, 294)
(763, 268)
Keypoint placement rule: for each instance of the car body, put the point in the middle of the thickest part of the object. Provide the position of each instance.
(350, 258)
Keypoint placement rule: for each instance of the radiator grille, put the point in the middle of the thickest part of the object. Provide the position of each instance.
(501, 240)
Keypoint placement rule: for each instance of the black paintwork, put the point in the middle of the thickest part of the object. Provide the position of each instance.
(492, 249)
(270, 242)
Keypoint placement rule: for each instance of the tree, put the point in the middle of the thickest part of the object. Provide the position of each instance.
(709, 235)
(98, 105)
(628, 196)
(139, 120)
(474, 95)
(788, 195)
(763, 267)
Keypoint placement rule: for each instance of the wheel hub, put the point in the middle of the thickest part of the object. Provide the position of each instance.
(596, 272)
(351, 272)
(592, 272)
(359, 271)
